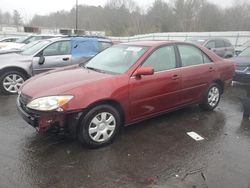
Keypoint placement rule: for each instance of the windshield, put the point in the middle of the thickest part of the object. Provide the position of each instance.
(245, 53)
(22, 39)
(26, 46)
(33, 49)
(116, 59)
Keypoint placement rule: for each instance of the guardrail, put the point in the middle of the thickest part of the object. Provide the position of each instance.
(236, 38)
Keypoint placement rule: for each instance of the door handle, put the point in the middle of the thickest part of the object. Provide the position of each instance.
(175, 77)
(211, 69)
(65, 59)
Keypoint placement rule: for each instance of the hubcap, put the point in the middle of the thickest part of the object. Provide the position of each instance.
(213, 96)
(102, 127)
(12, 83)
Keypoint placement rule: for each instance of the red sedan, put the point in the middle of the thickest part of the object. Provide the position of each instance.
(122, 85)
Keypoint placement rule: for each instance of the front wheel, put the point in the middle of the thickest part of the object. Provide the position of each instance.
(99, 126)
(212, 98)
(11, 81)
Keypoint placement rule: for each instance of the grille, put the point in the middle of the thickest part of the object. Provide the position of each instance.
(241, 68)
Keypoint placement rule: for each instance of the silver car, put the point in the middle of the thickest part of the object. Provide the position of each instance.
(46, 55)
(221, 46)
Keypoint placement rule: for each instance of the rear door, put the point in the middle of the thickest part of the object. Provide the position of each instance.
(158, 92)
(197, 72)
(57, 54)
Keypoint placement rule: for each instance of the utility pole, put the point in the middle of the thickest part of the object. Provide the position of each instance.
(76, 15)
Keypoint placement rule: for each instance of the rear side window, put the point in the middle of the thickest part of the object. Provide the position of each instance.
(219, 44)
(162, 59)
(190, 55)
(86, 46)
(227, 43)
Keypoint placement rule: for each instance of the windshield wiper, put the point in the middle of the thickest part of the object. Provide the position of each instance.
(94, 69)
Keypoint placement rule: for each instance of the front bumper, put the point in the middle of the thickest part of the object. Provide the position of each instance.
(44, 121)
(30, 118)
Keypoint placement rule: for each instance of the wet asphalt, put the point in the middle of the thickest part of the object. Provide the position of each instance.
(154, 153)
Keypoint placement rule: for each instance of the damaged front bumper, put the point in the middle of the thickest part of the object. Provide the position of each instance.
(44, 121)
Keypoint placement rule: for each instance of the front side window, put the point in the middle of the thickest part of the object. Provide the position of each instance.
(58, 48)
(31, 50)
(210, 44)
(190, 55)
(162, 59)
(116, 59)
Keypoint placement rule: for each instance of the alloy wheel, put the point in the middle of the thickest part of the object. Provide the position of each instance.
(213, 96)
(12, 83)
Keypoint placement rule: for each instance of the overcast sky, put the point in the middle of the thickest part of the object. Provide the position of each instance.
(28, 8)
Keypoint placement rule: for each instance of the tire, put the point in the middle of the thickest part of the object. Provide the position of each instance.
(95, 130)
(208, 103)
(11, 81)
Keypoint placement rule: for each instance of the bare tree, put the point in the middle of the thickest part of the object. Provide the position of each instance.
(17, 19)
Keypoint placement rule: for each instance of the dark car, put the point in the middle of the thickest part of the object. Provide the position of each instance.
(46, 55)
(222, 47)
(242, 62)
(122, 85)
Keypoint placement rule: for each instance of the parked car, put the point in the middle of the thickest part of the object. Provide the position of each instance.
(48, 54)
(242, 47)
(18, 50)
(9, 39)
(242, 62)
(222, 47)
(122, 85)
(24, 40)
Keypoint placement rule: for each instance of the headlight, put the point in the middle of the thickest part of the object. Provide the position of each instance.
(49, 103)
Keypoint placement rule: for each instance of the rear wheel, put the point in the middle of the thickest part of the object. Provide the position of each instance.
(99, 126)
(212, 98)
(11, 81)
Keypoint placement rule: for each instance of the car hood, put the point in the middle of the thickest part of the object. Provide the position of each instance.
(10, 45)
(59, 81)
(13, 58)
(241, 60)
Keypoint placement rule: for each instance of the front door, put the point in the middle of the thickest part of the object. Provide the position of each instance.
(56, 55)
(158, 92)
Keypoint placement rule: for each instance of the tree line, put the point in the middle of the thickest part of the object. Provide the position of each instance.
(126, 18)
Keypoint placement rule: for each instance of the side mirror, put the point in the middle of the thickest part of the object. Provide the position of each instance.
(41, 60)
(144, 71)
